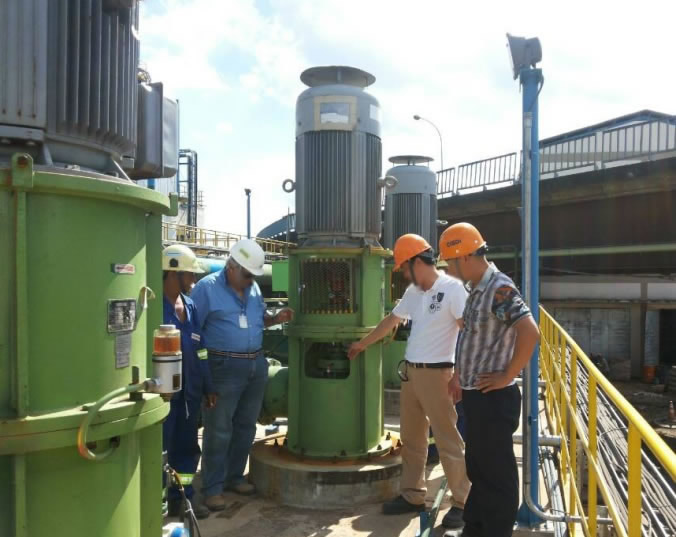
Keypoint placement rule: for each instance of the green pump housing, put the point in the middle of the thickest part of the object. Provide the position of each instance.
(79, 254)
(394, 346)
(335, 406)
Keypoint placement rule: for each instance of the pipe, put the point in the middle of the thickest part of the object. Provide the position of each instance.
(427, 520)
(541, 383)
(531, 80)
(544, 440)
(92, 411)
(247, 191)
(214, 264)
(599, 250)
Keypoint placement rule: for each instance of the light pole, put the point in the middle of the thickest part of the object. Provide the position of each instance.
(247, 191)
(441, 142)
(525, 54)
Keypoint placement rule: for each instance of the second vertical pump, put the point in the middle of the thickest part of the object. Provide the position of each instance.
(336, 273)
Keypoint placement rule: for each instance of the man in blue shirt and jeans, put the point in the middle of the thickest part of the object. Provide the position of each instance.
(232, 316)
(179, 430)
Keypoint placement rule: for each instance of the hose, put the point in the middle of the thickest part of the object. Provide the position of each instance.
(82, 448)
(193, 526)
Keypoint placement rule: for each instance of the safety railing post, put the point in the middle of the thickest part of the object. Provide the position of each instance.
(634, 461)
(591, 476)
(573, 430)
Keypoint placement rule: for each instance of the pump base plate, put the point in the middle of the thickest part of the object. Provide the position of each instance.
(321, 484)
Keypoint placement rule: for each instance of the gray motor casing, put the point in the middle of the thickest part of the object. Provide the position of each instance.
(411, 205)
(69, 86)
(338, 159)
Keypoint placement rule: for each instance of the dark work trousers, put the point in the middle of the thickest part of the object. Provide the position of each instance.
(179, 436)
(490, 421)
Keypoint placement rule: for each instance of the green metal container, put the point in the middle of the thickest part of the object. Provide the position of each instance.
(77, 254)
(335, 405)
(394, 347)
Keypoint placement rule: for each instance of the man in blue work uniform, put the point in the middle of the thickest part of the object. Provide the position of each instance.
(232, 316)
(179, 266)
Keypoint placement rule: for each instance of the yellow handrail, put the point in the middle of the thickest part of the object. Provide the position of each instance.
(563, 363)
(209, 238)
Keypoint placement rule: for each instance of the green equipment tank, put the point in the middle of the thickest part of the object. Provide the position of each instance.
(394, 345)
(80, 254)
(80, 273)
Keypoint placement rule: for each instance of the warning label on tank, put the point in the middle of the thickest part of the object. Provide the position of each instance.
(123, 268)
(122, 350)
(121, 315)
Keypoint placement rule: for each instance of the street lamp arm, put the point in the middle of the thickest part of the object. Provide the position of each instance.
(441, 142)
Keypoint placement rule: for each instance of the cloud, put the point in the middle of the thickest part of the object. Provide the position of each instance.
(224, 127)
(189, 45)
(236, 65)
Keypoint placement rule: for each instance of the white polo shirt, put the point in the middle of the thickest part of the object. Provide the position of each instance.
(434, 314)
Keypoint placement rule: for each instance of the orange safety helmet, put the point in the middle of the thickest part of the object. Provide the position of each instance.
(460, 240)
(407, 247)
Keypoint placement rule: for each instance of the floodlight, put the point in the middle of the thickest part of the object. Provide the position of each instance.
(523, 52)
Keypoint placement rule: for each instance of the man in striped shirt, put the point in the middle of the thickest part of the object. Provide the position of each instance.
(494, 345)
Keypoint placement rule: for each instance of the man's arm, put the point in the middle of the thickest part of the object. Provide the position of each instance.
(454, 388)
(200, 299)
(527, 336)
(379, 332)
(282, 316)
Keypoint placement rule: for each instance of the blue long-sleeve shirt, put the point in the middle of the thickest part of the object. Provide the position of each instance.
(196, 374)
(221, 313)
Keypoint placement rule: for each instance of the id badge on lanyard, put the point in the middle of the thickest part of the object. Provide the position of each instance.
(243, 323)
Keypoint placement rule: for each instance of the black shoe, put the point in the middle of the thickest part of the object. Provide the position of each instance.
(177, 509)
(400, 505)
(453, 519)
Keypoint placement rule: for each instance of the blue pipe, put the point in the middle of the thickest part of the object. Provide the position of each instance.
(531, 80)
(209, 264)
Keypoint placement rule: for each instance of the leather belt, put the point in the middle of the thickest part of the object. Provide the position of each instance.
(432, 365)
(243, 355)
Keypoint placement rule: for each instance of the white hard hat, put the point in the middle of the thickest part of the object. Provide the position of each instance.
(249, 255)
(181, 259)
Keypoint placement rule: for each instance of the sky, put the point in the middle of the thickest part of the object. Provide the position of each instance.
(234, 66)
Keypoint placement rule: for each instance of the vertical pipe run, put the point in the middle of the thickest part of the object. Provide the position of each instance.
(530, 80)
(247, 191)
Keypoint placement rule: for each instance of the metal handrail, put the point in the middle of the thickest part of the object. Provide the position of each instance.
(209, 238)
(574, 387)
(640, 141)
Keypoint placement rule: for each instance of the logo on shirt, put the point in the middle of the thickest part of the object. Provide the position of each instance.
(436, 302)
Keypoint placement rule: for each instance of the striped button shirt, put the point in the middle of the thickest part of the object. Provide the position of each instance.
(486, 343)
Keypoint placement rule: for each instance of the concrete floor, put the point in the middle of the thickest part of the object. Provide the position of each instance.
(258, 517)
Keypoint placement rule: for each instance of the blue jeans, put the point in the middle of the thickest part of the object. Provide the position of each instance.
(230, 427)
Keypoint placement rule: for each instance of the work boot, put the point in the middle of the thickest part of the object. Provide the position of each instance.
(243, 488)
(201, 511)
(432, 455)
(177, 509)
(400, 505)
(453, 519)
(215, 503)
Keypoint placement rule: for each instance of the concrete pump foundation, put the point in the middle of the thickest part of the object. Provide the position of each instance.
(323, 484)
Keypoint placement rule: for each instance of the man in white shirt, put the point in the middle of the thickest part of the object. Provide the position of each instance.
(434, 303)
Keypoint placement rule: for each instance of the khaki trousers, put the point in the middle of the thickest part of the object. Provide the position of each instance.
(425, 400)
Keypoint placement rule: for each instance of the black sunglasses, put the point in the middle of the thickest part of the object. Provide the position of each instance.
(245, 273)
